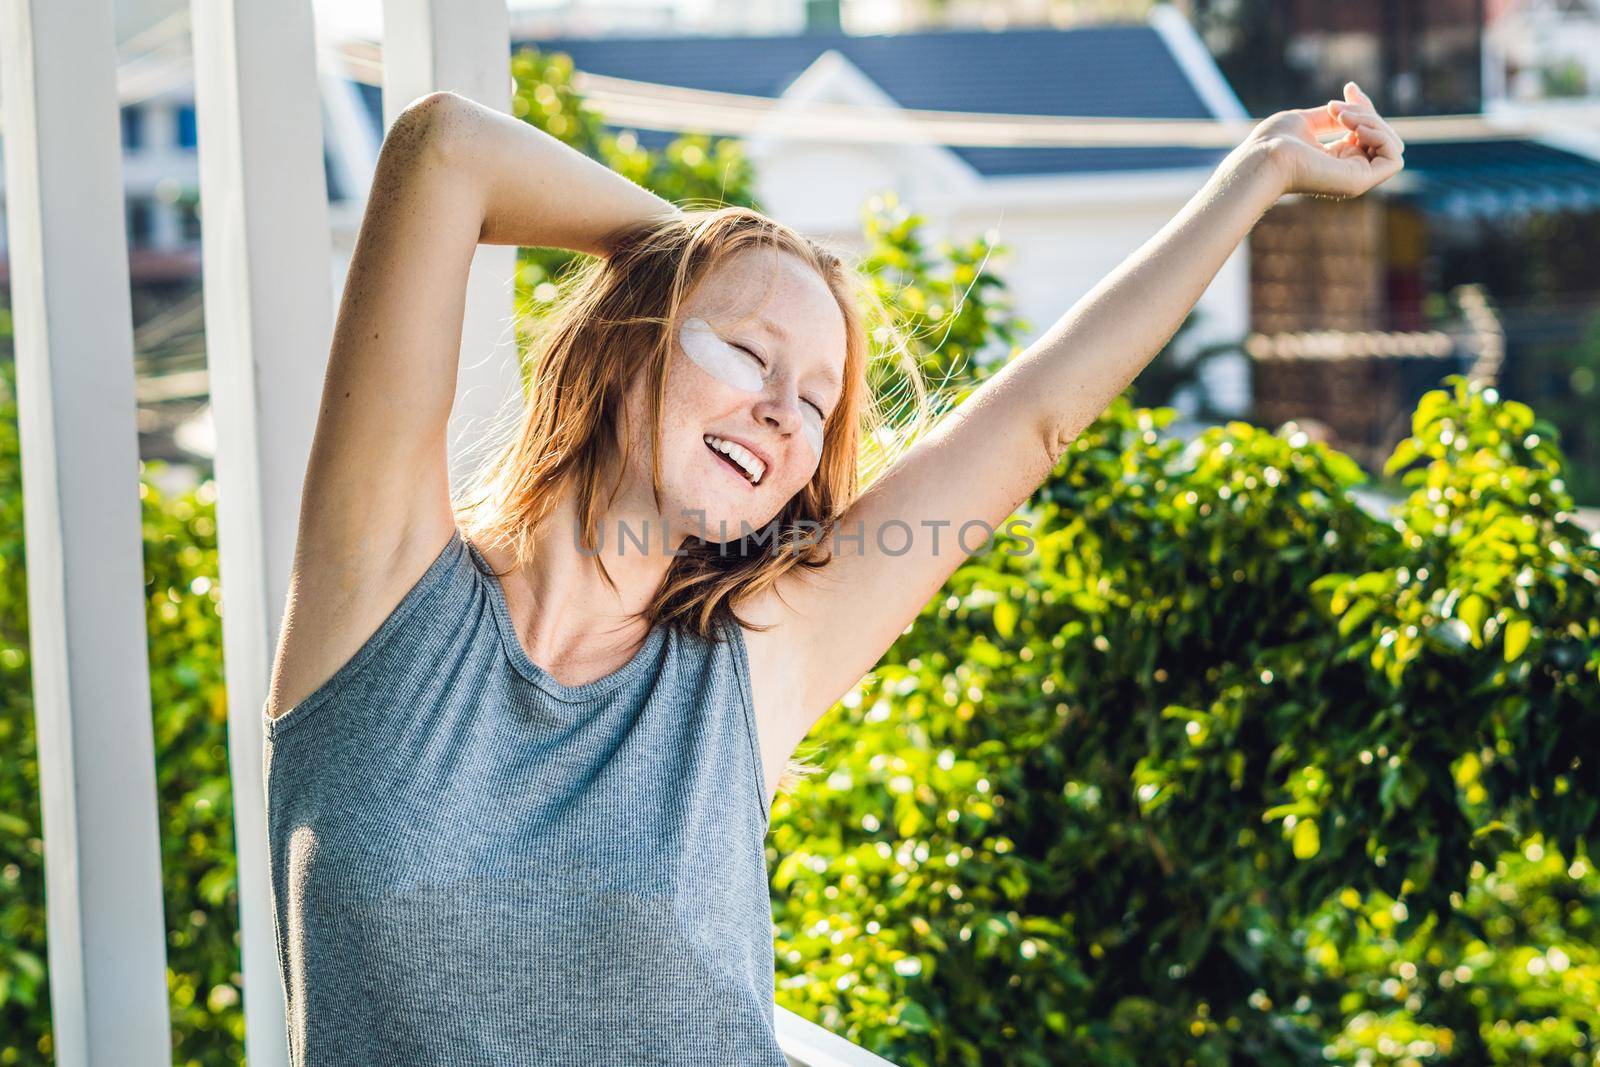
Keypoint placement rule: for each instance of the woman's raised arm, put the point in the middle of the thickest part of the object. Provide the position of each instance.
(1094, 351)
(990, 454)
(375, 505)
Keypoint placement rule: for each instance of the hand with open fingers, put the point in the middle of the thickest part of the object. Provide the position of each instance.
(1366, 151)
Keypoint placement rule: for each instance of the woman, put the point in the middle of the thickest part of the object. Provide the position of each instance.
(519, 744)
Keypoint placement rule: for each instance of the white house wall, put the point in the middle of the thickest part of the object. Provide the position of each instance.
(822, 188)
(1057, 256)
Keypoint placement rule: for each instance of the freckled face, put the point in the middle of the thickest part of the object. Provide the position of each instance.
(738, 368)
(757, 360)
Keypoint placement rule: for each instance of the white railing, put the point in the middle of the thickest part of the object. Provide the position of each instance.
(808, 1045)
(269, 307)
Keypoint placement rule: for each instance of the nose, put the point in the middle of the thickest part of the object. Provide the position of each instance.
(779, 408)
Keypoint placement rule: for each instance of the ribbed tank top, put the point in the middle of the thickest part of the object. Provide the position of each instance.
(473, 863)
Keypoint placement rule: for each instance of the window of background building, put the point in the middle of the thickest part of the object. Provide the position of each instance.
(186, 126)
(132, 128)
(189, 219)
(141, 221)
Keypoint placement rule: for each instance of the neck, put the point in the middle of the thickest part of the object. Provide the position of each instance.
(565, 612)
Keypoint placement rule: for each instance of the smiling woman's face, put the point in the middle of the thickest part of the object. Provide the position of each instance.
(756, 370)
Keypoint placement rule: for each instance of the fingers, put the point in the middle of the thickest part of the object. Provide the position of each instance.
(1385, 167)
(1367, 153)
(1353, 116)
(1348, 148)
(1348, 113)
(1374, 134)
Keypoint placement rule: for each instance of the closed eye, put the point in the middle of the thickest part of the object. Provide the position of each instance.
(823, 415)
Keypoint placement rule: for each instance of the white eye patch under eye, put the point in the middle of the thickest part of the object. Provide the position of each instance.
(811, 424)
(718, 358)
(739, 370)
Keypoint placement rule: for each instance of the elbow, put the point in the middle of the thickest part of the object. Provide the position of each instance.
(1054, 439)
(430, 123)
(430, 107)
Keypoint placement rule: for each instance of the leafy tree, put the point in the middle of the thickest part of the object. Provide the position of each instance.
(1562, 378)
(954, 314)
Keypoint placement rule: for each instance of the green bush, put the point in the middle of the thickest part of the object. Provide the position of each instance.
(194, 789)
(1096, 804)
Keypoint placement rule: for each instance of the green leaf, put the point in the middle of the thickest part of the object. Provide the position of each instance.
(1405, 453)
(1307, 839)
(914, 1017)
(1518, 632)
(1005, 617)
(1430, 407)
(1283, 811)
(1473, 611)
(1359, 612)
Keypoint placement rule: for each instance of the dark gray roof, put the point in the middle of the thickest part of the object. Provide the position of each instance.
(1113, 71)
(1119, 71)
(1500, 178)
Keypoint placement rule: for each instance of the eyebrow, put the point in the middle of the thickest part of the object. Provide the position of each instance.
(831, 377)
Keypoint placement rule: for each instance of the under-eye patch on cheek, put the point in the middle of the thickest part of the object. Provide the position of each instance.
(718, 358)
(740, 370)
(811, 425)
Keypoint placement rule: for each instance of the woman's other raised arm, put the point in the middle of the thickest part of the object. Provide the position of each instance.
(375, 504)
(989, 455)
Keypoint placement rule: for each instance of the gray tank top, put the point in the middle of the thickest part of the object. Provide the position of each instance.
(475, 864)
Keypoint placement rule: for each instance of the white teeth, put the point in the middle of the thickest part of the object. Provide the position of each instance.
(753, 467)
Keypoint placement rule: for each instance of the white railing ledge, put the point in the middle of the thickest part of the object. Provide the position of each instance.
(808, 1045)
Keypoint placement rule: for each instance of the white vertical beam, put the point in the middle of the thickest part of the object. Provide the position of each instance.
(268, 318)
(463, 46)
(80, 466)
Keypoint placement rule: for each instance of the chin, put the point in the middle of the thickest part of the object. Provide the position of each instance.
(724, 520)
(724, 524)
(728, 508)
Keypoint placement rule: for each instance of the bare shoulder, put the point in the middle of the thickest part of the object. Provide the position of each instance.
(326, 622)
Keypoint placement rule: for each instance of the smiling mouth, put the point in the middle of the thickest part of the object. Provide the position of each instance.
(728, 462)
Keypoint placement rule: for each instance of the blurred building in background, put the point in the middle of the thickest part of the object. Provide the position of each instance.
(1518, 217)
(1415, 57)
(1541, 51)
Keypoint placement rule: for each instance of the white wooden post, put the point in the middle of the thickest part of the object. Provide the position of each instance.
(80, 460)
(463, 46)
(269, 322)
